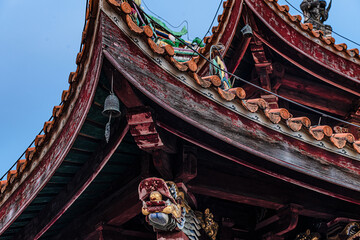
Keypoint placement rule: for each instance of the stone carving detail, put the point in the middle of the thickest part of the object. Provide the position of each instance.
(316, 13)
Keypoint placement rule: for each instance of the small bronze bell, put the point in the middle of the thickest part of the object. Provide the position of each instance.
(247, 31)
(111, 109)
(111, 106)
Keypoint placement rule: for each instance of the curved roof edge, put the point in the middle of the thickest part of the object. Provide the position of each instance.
(60, 115)
(340, 49)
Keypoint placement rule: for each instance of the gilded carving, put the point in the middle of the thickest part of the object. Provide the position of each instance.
(208, 224)
(308, 236)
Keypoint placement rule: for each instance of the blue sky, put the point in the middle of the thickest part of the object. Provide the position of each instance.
(39, 41)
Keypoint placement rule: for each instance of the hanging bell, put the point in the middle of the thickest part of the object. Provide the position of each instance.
(111, 106)
(247, 31)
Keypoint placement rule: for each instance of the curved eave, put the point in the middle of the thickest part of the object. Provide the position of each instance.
(41, 162)
(229, 121)
(323, 59)
(224, 32)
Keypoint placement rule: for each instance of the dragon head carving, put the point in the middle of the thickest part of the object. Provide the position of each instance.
(166, 209)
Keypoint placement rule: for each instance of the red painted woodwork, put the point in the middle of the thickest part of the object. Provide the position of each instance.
(171, 236)
(163, 89)
(142, 128)
(321, 57)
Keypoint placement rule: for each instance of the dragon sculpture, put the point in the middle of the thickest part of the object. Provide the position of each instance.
(316, 13)
(167, 210)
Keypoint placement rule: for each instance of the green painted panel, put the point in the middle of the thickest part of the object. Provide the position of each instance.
(77, 156)
(100, 95)
(95, 114)
(67, 169)
(128, 148)
(60, 179)
(92, 130)
(85, 144)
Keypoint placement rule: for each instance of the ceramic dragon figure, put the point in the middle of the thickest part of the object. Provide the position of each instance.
(166, 209)
(316, 13)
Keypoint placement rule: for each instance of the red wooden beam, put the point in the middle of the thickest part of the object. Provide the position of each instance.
(122, 88)
(315, 56)
(208, 116)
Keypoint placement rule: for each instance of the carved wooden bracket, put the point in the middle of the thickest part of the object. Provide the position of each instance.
(281, 223)
(142, 128)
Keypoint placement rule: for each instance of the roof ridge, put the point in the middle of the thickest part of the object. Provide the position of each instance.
(308, 27)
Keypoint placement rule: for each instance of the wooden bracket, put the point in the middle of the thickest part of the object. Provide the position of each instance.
(281, 223)
(142, 128)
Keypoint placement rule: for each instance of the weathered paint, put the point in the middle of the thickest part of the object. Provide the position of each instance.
(83, 178)
(311, 48)
(39, 177)
(218, 121)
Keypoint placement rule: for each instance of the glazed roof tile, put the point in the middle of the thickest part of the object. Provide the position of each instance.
(252, 105)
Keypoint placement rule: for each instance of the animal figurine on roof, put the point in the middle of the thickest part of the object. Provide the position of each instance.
(316, 13)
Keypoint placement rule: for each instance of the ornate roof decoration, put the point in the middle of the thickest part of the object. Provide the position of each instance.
(316, 13)
(299, 123)
(309, 29)
(231, 94)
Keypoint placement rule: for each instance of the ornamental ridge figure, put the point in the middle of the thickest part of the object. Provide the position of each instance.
(316, 13)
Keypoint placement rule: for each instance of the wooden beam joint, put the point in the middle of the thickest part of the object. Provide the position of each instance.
(142, 128)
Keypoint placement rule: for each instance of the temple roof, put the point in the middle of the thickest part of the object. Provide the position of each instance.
(61, 113)
(298, 123)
